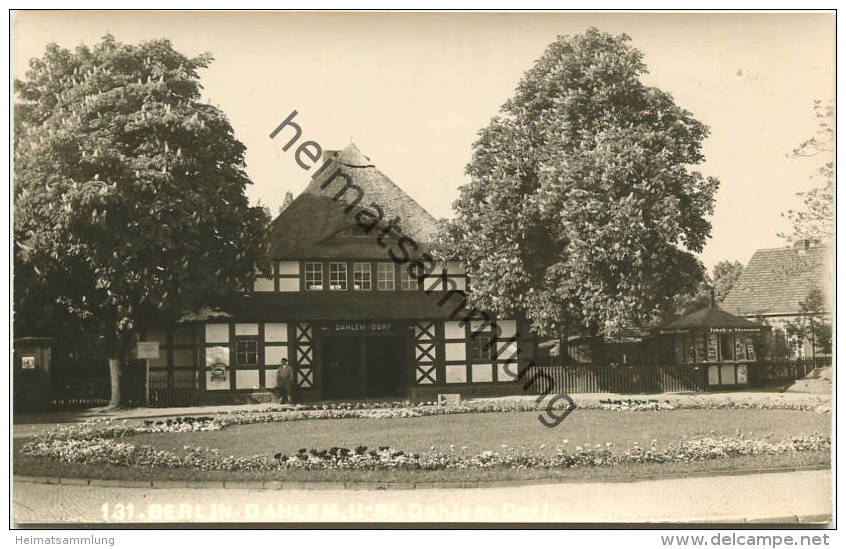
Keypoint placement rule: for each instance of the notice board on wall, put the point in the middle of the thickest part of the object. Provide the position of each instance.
(739, 348)
(750, 350)
(700, 347)
(713, 342)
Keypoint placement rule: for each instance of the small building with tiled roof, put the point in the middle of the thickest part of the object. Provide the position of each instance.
(722, 343)
(776, 280)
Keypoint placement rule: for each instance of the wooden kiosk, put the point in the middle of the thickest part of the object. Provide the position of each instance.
(726, 346)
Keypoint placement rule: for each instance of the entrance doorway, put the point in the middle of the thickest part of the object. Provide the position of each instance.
(341, 374)
(364, 367)
(385, 366)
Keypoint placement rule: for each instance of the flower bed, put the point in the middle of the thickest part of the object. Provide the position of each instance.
(401, 409)
(107, 447)
(109, 428)
(408, 409)
(672, 402)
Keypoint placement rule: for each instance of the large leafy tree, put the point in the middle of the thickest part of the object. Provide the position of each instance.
(582, 208)
(129, 192)
(815, 219)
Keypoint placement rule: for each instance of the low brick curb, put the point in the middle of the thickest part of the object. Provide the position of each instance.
(316, 485)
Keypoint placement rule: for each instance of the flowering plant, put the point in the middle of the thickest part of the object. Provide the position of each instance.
(90, 448)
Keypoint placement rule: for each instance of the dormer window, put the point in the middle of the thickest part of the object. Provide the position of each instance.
(314, 276)
(338, 277)
(362, 278)
(386, 276)
(408, 281)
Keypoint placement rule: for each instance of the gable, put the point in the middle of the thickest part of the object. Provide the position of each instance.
(314, 224)
(776, 280)
(354, 242)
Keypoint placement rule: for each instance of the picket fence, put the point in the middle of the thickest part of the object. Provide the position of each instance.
(546, 376)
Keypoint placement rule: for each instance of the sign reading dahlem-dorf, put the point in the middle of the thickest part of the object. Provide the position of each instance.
(362, 326)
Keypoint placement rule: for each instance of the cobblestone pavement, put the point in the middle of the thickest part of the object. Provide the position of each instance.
(802, 496)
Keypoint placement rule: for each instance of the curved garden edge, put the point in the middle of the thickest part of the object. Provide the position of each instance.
(77, 455)
(61, 448)
(587, 401)
(353, 485)
(744, 399)
(524, 403)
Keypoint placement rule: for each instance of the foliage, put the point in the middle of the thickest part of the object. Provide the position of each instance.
(816, 218)
(725, 275)
(581, 194)
(104, 450)
(289, 197)
(129, 191)
(811, 325)
(822, 337)
(687, 302)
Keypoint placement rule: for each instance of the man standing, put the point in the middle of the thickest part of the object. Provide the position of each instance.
(285, 383)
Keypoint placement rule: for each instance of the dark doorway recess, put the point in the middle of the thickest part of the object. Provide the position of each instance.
(385, 366)
(364, 367)
(341, 373)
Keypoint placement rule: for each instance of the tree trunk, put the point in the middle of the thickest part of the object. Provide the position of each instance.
(116, 344)
(564, 344)
(813, 344)
(114, 374)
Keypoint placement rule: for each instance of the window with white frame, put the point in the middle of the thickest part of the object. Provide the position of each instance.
(337, 276)
(385, 273)
(407, 281)
(361, 276)
(314, 276)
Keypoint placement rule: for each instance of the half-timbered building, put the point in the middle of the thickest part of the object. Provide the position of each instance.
(354, 300)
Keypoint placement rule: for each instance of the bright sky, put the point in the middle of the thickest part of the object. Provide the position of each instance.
(412, 90)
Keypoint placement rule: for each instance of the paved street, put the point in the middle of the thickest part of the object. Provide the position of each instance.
(782, 496)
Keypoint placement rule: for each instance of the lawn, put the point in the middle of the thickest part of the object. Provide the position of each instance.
(476, 432)
(489, 431)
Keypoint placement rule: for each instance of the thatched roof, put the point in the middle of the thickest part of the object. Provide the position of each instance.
(316, 226)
